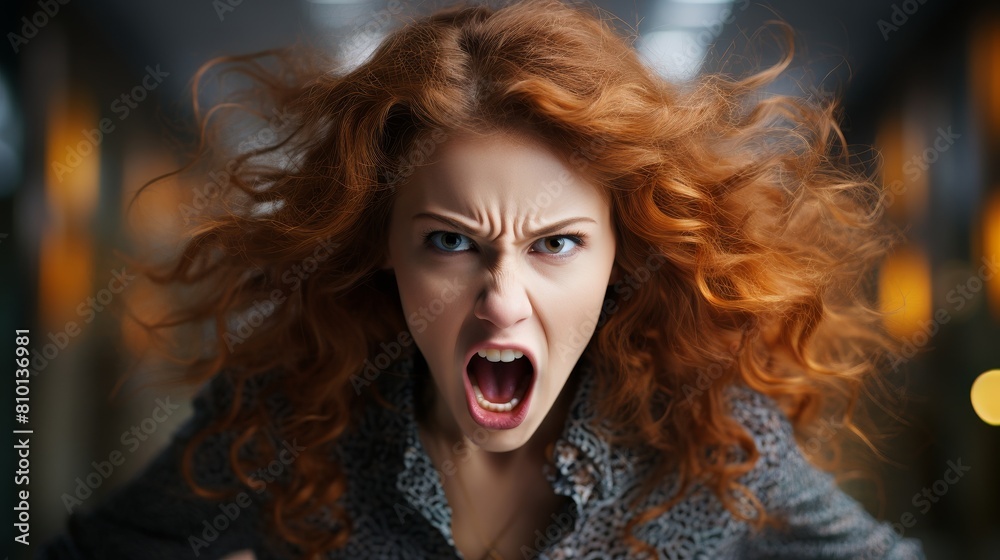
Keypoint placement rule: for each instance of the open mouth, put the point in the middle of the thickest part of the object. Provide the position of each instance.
(499, 387)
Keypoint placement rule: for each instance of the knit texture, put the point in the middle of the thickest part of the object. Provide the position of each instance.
(399, 510)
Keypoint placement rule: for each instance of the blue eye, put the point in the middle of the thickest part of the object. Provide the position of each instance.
(447, 241)
(555, 246)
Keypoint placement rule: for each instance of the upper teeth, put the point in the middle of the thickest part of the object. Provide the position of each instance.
(500, 355)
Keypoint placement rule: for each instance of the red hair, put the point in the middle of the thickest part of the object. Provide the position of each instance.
(762, 232)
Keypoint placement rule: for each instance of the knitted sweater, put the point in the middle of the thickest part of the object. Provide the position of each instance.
(398, 507)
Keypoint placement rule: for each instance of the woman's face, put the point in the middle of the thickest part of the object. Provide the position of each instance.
(502, 252)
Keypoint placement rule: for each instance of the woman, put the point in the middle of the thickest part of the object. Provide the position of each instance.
(502, 292)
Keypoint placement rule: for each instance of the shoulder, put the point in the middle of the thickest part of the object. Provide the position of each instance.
(815, 518)
(782, 476)
(761, 416)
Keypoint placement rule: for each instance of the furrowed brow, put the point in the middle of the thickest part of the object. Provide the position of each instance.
(471, 230)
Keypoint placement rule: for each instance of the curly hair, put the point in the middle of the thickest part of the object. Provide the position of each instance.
(764, 233)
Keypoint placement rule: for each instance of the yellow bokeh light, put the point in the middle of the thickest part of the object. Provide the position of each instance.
(991, 247)
(72, 177)
(73, 154)
(905, 290)
(986, 397)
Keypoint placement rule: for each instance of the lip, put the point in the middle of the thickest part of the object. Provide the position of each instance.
(499, 420)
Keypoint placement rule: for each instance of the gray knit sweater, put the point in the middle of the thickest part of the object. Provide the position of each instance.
(399, 510)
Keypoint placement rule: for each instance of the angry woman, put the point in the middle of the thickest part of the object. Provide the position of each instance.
(502, 291)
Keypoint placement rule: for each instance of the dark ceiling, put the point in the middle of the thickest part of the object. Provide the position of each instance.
(182, 34)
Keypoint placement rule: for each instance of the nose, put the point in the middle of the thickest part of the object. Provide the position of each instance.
(504, 299)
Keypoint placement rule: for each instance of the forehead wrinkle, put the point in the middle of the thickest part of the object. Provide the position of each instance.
(500, 208)
(498, 217)
(484, 189)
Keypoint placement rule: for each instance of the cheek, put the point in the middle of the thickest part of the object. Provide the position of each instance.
(587, 284)
(433, 306)
(414, 290)
(438, 294)
(429, 285)
(416, 283)
(574, 312)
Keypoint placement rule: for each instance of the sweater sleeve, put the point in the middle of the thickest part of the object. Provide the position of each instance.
(821, 521)
(157, 516)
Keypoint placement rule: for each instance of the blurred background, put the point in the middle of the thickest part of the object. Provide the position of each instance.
(95, 98)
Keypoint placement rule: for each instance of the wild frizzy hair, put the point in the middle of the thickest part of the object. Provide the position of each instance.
(760, 230)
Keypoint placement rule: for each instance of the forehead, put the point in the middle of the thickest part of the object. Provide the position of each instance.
(506, 170)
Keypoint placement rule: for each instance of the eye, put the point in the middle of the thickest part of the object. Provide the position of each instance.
(558, 244)
(447, 241)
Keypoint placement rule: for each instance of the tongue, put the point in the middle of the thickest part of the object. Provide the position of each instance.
(498, 380)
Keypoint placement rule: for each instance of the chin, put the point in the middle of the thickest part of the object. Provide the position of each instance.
(500, 440)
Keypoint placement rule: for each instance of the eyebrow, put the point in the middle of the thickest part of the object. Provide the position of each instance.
(540, 232)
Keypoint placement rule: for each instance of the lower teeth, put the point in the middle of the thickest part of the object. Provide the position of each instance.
(494, 407)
